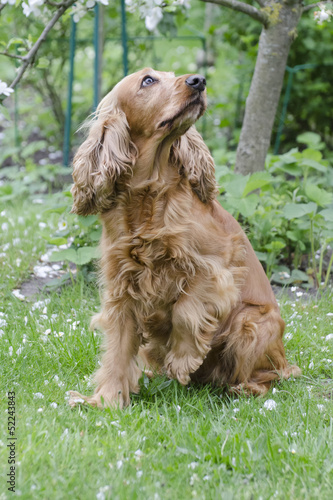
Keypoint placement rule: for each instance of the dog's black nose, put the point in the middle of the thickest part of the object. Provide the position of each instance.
(196, 82)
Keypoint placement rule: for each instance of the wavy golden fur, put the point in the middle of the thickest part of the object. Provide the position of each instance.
(183, 291)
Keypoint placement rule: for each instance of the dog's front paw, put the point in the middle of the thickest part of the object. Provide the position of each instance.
(180, 366)
(101, 399)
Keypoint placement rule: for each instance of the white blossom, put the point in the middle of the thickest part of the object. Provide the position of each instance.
(32, 7)
(4, 89)
(270, 404)
(38, 395)
(62, 225)
(10, 2)
(153, 18)
(78, 11)
(323, 14)
(17, 293)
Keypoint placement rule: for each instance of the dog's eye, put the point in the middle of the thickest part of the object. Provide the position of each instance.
(148, 80)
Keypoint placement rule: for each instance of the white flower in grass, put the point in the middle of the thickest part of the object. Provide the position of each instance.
(193, 478)
(54, 405)
(18, 294)
(139, 473)
(3, 322)
(40, 303)
(329, 314)
(4, 89)
(19, 350)
(40, 410)
(311, 365)
(4, 225)
(10, 350)
(62, 225)
(38, 395)
(101, 492)
(329, 336)
(138, 454)
(119, 464)
(270, 404)
(321, 407)
(193, 465)
(64, 434)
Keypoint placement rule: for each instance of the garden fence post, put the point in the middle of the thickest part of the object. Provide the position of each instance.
(68, 122)
(97, 62)
(124, 37)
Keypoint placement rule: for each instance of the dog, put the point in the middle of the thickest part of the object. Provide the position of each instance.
(183, 293)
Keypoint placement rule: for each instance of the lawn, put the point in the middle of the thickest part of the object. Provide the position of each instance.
(172, 442)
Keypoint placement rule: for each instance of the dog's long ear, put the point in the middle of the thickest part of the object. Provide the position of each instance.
(194, 159)
(105, 155)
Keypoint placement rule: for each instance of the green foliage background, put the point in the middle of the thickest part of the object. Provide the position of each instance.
(286, 210)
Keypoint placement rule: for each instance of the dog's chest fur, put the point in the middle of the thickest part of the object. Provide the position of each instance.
(155, 246)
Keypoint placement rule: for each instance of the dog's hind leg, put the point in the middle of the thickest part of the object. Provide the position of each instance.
(249, 354)
(254, 350)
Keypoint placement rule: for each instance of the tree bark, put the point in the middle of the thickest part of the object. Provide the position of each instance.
(266, 85)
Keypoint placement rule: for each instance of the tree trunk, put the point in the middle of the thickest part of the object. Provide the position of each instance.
(266, 85)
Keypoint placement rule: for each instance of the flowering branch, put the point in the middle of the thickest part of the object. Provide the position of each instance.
(13, 56)
(31, 54)
(313, 5)
(54, 4)
(251, 11)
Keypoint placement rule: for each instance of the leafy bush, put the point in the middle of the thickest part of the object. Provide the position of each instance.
(286, 211)
(290, 220)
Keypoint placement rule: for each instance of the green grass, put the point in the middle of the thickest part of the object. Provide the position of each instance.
(172, 442)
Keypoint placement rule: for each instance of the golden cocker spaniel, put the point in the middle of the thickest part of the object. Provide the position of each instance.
(183, 291)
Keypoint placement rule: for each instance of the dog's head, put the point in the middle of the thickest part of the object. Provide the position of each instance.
(157, 104)
(141, 111)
